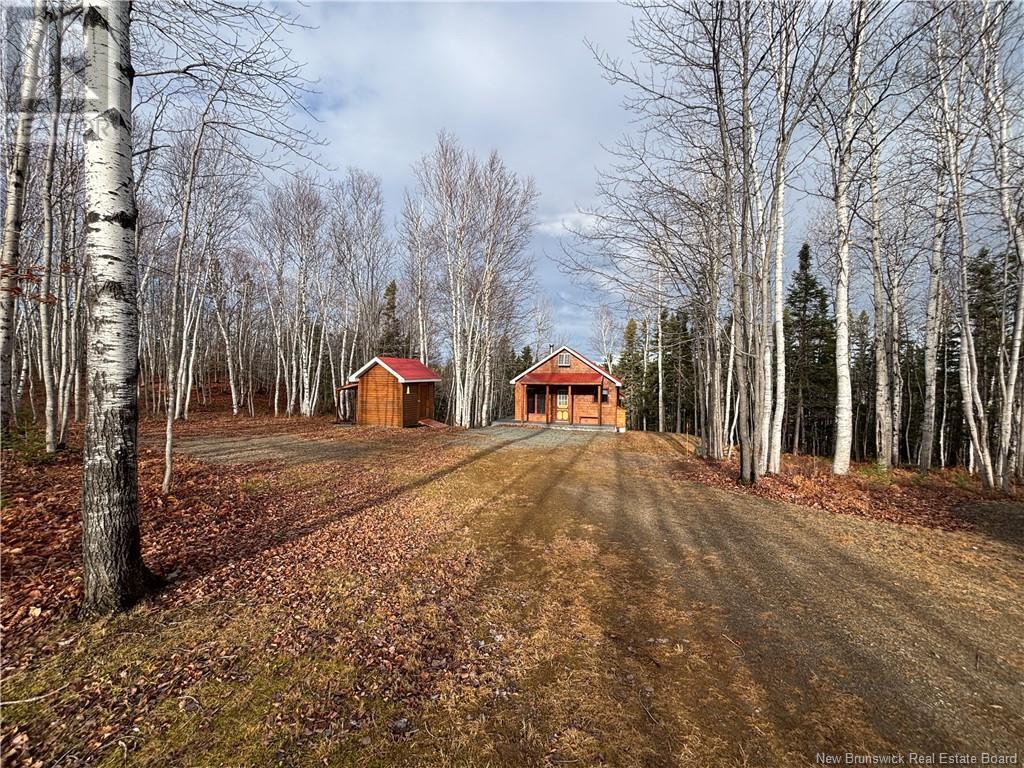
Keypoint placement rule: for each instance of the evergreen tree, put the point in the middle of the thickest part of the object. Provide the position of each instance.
(984, 285)
(810, 356)
(862, 384)
(951, 430)
(507, 366)
(631, 372)
(525, 358)
(392, 340)
(679, 400)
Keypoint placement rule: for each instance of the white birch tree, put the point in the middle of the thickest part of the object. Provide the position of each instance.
(115, 576)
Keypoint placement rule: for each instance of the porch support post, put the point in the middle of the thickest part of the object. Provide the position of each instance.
(570, 405)
(547, 403)
(600, 405)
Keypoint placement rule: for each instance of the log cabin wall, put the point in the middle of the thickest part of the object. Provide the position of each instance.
(380, 400)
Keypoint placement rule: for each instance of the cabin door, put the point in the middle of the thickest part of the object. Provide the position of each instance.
(561, 403)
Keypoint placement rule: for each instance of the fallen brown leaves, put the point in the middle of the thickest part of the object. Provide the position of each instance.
(336, 563)
(315, 606)
(897, 496)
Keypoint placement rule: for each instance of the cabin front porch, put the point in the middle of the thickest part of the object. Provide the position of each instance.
(565, 389)
(551, 404)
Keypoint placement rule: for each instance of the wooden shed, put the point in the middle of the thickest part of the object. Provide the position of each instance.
(567, 388)
(394, 392)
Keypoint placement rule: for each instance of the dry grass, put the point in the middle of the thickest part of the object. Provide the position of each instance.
(505, 598)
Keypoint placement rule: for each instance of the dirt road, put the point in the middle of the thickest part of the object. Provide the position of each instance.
(664, 622)
(351, 596)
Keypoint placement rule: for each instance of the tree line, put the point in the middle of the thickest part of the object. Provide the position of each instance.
(898, 126)
(159, 236)
(808, 425)
(169, 227)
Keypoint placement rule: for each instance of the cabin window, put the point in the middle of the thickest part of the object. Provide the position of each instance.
(563, 399)
(563, 359)
(604, 395)
(535, 402)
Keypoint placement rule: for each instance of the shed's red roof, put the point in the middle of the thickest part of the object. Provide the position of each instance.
(409, 369)
(539, 377)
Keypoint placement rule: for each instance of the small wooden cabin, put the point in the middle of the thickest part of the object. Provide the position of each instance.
(567, 388)
(393, 392)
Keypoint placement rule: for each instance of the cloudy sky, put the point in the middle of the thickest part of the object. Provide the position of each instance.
(516, 77)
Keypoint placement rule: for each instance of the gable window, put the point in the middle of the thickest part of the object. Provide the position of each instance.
(563, 359)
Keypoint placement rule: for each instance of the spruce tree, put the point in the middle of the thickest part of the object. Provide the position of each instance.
(630, 360)
(392, 340)
(984, 284)
(862, 378)
(811, 357)
(525, 358)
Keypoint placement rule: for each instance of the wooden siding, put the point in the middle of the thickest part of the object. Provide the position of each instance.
(417, 403)
(584, 408)
(575, 366)
(410, 404)
(380, 399)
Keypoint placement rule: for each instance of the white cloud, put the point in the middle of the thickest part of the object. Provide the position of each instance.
(507, 76)
(567, 224)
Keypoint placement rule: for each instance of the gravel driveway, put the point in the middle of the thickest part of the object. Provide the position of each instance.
(723, 628)
(647, 620)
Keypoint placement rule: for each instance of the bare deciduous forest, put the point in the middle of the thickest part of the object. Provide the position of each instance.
(804, 262)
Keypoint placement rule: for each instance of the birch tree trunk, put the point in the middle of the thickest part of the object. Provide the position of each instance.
(223, 325)
(779, 412)
(661, 373)
(729, 423)
(1009, 184)
(844, 391)
(931, 330)
(47, 303)
(883, 406)
(16, 179)
(115, 576)
(895, 368)
(959, 167)
(173, 366)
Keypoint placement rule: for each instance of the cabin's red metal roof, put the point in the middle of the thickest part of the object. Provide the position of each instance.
(540, 377)
(589, 363)
(409, 369)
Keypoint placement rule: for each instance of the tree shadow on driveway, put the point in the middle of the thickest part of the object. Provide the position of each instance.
(824, 608)
(255, 532)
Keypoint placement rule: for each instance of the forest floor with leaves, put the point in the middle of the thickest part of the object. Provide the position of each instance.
(342, 595)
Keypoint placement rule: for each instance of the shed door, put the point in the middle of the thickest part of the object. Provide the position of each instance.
(426, 392)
